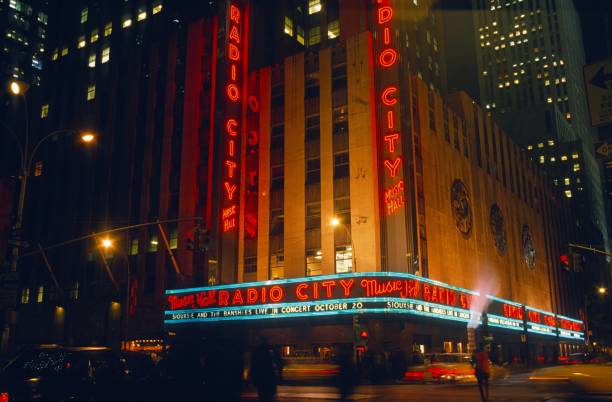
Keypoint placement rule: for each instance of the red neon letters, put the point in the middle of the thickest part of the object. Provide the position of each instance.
(387, 57)
(232, 124)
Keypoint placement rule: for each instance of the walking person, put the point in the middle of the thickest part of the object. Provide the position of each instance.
(482, 368)
(345, 379)
(263, 371)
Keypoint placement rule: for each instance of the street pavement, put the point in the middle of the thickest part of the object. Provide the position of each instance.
(515, 388)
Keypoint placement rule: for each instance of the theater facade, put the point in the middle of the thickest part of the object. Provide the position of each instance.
(345, 194)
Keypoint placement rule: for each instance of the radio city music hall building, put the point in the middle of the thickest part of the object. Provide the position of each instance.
(359, 192)
(339, 189)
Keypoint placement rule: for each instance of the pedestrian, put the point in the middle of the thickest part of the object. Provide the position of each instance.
(263, 371)
(482, 369)
(346, 377)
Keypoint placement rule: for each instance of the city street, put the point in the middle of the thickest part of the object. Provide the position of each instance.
(514, 389)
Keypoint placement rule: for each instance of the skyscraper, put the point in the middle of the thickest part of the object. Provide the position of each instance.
(22, 40)
(529, 57)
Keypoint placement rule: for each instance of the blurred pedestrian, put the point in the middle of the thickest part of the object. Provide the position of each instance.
(346, 377)
(263, 371)
(482, 369)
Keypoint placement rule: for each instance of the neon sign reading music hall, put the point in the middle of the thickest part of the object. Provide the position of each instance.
(356, 293)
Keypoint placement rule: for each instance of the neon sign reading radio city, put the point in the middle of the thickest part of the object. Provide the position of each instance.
(231, 127)
(356, 293)
(387, 58)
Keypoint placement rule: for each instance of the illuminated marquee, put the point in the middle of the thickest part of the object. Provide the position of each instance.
(570, 328)
(373, 292)
(357, 293)
(540, 322)
(232, 125)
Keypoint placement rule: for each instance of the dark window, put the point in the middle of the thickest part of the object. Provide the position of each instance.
(341, 165)
(313, 171)
(446, 129)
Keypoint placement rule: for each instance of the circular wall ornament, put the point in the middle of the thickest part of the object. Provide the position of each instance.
(529, 252)
(462, 209)
(498, 229)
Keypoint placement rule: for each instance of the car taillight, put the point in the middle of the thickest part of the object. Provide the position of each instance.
(4, 397)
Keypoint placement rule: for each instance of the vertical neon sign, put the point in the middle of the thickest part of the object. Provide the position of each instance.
(387, 58)
(232, 125)
(389, 136)
(252, 158)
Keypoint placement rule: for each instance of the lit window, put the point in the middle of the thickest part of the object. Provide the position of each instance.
(344, 259)
(91, 92)
(44, 111)
(25, 295)
(542, 159)
(55, 55)
(134, 247)
(563, 157)
(529, 147)
(156, 9)
(566, 181)
(314, 36)
(108, 29)
(84, 15)
(92, 60)
(300, 35)
(38, 168)
(551, 143)
(568, 193)
(173, 240)
(153, 244)
(105, 55)
(40, 295)
(81, 43)
(288, 26)
(126, 23)
(74, 291)
(314, 6)
(142, 15)
(553, 159)
(333, 29)
(541, 145)
(94, 36)
(64, 51)
(576, 167)
(574, 155)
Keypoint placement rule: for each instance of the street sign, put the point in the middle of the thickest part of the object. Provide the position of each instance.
(603, 149)
(598, 83)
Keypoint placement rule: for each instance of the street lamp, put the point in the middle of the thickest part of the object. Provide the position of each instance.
(107, 244)
(18, 87)
(335, 222)
(602, 290)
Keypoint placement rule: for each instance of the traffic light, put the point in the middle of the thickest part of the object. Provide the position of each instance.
(576, 261)
(363, 335)
(190, 240)
(565, 261)
(203, 240)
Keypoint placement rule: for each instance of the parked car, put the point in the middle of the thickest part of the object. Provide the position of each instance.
(58, 374)
(447, 367)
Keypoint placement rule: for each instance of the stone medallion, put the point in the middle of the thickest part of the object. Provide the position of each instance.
(462, 209)
(529, 251)
(498, 229)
